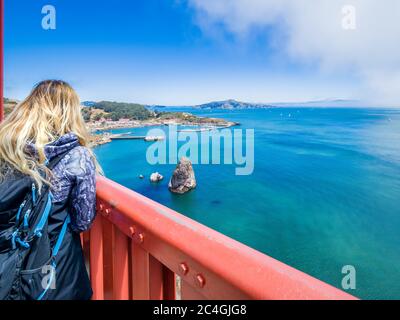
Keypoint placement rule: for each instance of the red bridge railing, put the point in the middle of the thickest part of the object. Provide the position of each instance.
(138, 249)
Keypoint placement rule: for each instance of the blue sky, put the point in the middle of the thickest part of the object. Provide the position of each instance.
(158, 52)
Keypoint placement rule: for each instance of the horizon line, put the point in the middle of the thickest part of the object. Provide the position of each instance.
(361, 103)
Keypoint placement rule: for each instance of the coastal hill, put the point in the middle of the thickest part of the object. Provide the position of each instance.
(116, 111)
(106, 115)
(232, 104)
(119, 114)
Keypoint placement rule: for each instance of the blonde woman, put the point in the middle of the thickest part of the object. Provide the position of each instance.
(47, 196)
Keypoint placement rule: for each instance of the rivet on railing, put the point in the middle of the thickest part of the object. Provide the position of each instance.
(107, 212)
(132, 231)
(141, 237)
(101, 207)
(184, 268)
(201, 281)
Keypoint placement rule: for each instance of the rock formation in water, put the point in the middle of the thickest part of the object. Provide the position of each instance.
(183, 179)
(156, 177)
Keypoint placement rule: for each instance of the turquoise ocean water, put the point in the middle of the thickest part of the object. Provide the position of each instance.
(325, 191)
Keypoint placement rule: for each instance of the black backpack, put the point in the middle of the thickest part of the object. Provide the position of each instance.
(27, 254)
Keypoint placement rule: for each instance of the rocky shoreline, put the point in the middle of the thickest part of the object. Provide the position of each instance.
(103, 138)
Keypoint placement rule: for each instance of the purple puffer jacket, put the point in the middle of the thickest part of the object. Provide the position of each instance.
(74, 178)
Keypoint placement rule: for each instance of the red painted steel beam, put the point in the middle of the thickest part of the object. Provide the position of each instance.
(140, 273)
(120, 266)
(220, 263)
(96, 259)
(169, 292)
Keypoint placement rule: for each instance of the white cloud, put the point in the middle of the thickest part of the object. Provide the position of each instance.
(312, 30)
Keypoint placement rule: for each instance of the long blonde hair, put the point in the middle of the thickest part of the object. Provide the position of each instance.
(51, 110)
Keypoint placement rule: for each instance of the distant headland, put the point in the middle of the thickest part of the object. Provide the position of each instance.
(232, 104)
(229, 104)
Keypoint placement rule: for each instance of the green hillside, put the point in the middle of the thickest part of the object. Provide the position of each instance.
(119, 110)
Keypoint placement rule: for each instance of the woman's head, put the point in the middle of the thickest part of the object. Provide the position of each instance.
(51, 110)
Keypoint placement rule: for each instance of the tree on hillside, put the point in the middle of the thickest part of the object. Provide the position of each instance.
(120, 110)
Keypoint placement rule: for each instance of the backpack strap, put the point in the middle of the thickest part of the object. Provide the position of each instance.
(45, 215)
(47, 209)
(56, 248)
(61, 236)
